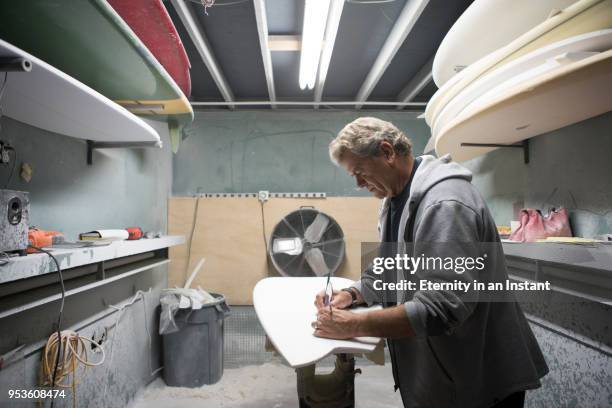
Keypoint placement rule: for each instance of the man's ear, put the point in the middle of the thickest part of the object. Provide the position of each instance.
(387, 151)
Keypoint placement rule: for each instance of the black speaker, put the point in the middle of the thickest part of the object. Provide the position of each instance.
(14, 221)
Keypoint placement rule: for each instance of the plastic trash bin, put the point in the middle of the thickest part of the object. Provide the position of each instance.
(193, 355)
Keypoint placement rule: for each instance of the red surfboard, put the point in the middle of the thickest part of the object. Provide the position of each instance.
(151, 22)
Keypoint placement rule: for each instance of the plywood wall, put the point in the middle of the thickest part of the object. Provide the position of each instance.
(229, 234)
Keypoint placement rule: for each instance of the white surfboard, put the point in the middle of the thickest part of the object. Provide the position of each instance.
(559, 98)
(285, 308)
(581, 17)
(528, 66)
(49, 99)
(485, 26)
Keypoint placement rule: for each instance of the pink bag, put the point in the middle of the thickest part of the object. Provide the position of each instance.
(534, 226)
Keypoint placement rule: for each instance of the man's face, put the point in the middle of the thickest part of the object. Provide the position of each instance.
(372, 173)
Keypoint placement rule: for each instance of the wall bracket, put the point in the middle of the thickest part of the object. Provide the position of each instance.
(91, 146)
(522, 145)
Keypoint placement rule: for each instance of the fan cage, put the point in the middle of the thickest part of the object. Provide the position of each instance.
(294, 225)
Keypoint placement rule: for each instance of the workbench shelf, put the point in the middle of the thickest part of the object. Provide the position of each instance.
(583, 271)
(31, 281)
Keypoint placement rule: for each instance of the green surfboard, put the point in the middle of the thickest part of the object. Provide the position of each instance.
(89, 41)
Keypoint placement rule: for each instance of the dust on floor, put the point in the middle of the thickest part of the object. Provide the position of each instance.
(265, 386)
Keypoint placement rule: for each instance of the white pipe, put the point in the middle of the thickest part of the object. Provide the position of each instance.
(309, 103)
(417, 83)
(404, 24)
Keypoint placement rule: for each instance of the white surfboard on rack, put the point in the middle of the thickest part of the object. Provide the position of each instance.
(520, 70)
(285, 308)
(572, 92)
(47, 98)
(501, 20)
(581, 17)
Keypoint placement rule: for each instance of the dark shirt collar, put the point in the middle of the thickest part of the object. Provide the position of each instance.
(402, 197)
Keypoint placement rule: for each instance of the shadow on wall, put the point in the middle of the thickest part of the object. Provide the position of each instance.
(500, 178)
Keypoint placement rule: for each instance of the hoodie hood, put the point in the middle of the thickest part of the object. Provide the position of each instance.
(431, 171)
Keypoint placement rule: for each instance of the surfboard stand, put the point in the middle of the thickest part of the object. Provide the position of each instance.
(91, 146)
(522, 145)
(333, 390)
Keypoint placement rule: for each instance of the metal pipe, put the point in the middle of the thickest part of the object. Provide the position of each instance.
(310, 103)
(403, 25)
(15, 64)
(417, 83)
(201, 44)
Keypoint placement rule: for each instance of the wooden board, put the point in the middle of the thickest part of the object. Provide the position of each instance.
(530, 65)
(49, 99)
(572, 93)
(480, 31)
(229, 234)
(581, 17)
(285, 308)
(89, 41)
(151, 22)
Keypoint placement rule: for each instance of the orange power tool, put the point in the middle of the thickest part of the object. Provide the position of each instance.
(41, 238)
(134, 233)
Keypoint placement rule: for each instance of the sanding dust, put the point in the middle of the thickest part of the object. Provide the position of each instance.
(267, 385)
(271, 385)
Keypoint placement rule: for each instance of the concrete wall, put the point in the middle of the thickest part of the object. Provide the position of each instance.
(68, 195)
(123, 187)
(243, 152)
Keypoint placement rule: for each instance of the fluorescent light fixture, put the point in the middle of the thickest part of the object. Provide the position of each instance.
(315, 19)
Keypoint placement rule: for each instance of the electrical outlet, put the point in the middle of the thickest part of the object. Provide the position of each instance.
(98, 339)
(263, 196)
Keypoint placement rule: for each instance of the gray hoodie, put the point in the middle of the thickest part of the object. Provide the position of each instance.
(464, 353)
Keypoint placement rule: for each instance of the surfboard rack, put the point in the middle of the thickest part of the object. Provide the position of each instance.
(91, 146)
(522, 145)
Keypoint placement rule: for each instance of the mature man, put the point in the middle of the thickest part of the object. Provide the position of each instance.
(448, 349)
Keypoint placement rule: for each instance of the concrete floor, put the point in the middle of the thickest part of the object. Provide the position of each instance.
(270, 385)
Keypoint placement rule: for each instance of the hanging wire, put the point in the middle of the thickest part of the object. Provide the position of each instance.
(2, 94)
(217, 3)
(10, 177)
(207, 4)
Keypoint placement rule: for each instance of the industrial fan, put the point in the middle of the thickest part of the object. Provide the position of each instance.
(307, 242)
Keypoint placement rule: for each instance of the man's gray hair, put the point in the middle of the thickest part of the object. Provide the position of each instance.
(363, 136)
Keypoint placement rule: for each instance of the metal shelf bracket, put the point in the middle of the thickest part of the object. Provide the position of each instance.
(522, 145)
(91, 146)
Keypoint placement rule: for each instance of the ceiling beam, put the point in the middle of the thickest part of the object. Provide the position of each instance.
(403, 25)
(201, 43)
(331, 30)
(284, 42)
(262, 30)
(417, 83)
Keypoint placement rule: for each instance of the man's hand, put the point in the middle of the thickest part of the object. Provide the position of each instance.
(341, 299)
(337, 323)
